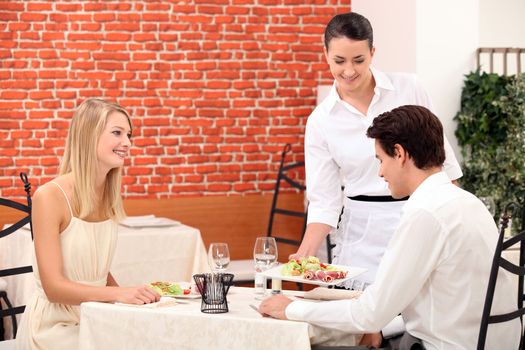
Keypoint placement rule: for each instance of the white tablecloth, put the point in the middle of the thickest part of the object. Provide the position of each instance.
(142, 255)
(184, 326)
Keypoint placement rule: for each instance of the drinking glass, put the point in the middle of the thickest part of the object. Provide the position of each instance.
(219, 257)
(264, 256)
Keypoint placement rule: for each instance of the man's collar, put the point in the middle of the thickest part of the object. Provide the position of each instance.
(422, 191)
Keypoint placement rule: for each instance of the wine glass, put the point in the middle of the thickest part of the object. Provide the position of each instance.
(264, 256)
(219, 257)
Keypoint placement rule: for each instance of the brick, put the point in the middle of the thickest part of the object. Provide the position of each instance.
(144, 161)
(39, 95)
(13, 95)
(14, 64)
(104, 17)
(19, 26)
(187, 188)
(136, 171)
(49, 161)
(219, 187)
(104, 65)
(11, 6)
(123, 26)
(5, 162)
(19, 134)
(138, 66)
(32, 17)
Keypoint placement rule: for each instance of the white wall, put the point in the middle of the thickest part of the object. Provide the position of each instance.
(502, 23)
(436, 39)
(447, 39)
(394, 24)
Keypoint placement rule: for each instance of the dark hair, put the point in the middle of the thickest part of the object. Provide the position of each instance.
(415, 128)
(350, 25)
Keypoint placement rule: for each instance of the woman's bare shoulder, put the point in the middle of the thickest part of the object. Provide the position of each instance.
(50, 192)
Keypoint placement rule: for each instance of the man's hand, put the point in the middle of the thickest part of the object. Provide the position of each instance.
(372, 339)
(275, 306)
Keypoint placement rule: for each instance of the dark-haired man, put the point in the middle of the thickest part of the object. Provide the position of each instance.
(436, 266)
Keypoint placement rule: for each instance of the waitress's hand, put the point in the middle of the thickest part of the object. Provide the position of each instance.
(295, 256)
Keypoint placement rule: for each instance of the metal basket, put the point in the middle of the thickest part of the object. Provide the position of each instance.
(213, 288)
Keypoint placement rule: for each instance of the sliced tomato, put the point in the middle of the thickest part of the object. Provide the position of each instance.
(187, 291)
(324, 266)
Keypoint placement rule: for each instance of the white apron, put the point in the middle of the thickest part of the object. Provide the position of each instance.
(364, 232)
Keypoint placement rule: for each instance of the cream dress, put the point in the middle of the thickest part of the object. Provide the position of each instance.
(87, 251)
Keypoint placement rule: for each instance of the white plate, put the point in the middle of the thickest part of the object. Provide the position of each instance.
(184, 296)
(352, 272)
(184, 285)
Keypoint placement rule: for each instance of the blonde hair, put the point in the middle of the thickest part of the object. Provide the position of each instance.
(80, 158)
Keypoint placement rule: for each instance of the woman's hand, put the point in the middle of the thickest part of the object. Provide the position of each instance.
(313, 237)
(295, 256)
(137, 295)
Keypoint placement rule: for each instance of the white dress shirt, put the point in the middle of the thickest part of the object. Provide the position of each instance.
(435, 272)
(338, 152)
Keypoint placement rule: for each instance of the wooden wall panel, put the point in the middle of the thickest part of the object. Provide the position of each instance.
(236, 220)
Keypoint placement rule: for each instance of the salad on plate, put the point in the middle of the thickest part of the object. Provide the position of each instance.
(169, 289)
(312, 269)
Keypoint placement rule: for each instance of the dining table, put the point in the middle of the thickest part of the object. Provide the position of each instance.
(180, 324)
(143, 254)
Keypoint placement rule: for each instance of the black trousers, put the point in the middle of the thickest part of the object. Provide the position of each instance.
(404, 341)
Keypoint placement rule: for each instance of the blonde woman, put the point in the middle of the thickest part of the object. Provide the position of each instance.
(75, 228)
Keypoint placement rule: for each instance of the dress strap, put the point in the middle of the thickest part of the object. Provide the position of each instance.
(64, 192)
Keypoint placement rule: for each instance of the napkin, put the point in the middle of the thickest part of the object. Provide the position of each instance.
(148, 221)
(321, 293)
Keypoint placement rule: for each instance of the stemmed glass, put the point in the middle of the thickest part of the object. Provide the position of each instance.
(264, 256)
(219, 257)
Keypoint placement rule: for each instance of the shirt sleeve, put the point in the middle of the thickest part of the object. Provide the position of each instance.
(406, 266)
(323, 181)
(451, 165)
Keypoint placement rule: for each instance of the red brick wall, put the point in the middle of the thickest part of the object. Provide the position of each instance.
(215, 87)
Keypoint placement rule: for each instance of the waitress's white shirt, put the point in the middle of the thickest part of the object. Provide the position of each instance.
(338, 152)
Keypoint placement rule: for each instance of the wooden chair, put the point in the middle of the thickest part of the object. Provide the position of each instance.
(500, 262)
(11, 310)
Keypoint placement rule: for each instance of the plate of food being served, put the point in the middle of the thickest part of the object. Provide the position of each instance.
(182, 290)
(311, 270)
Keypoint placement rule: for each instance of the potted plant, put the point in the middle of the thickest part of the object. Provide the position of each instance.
(491, 133)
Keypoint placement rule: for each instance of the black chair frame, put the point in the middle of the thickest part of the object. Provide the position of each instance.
(282, 176)
(500, 262)
(12, 311)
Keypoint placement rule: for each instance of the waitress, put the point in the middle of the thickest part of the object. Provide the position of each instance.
(339, 155)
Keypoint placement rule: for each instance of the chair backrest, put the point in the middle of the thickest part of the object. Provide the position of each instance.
(500, 262)
(12, 311)
(286, 174)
